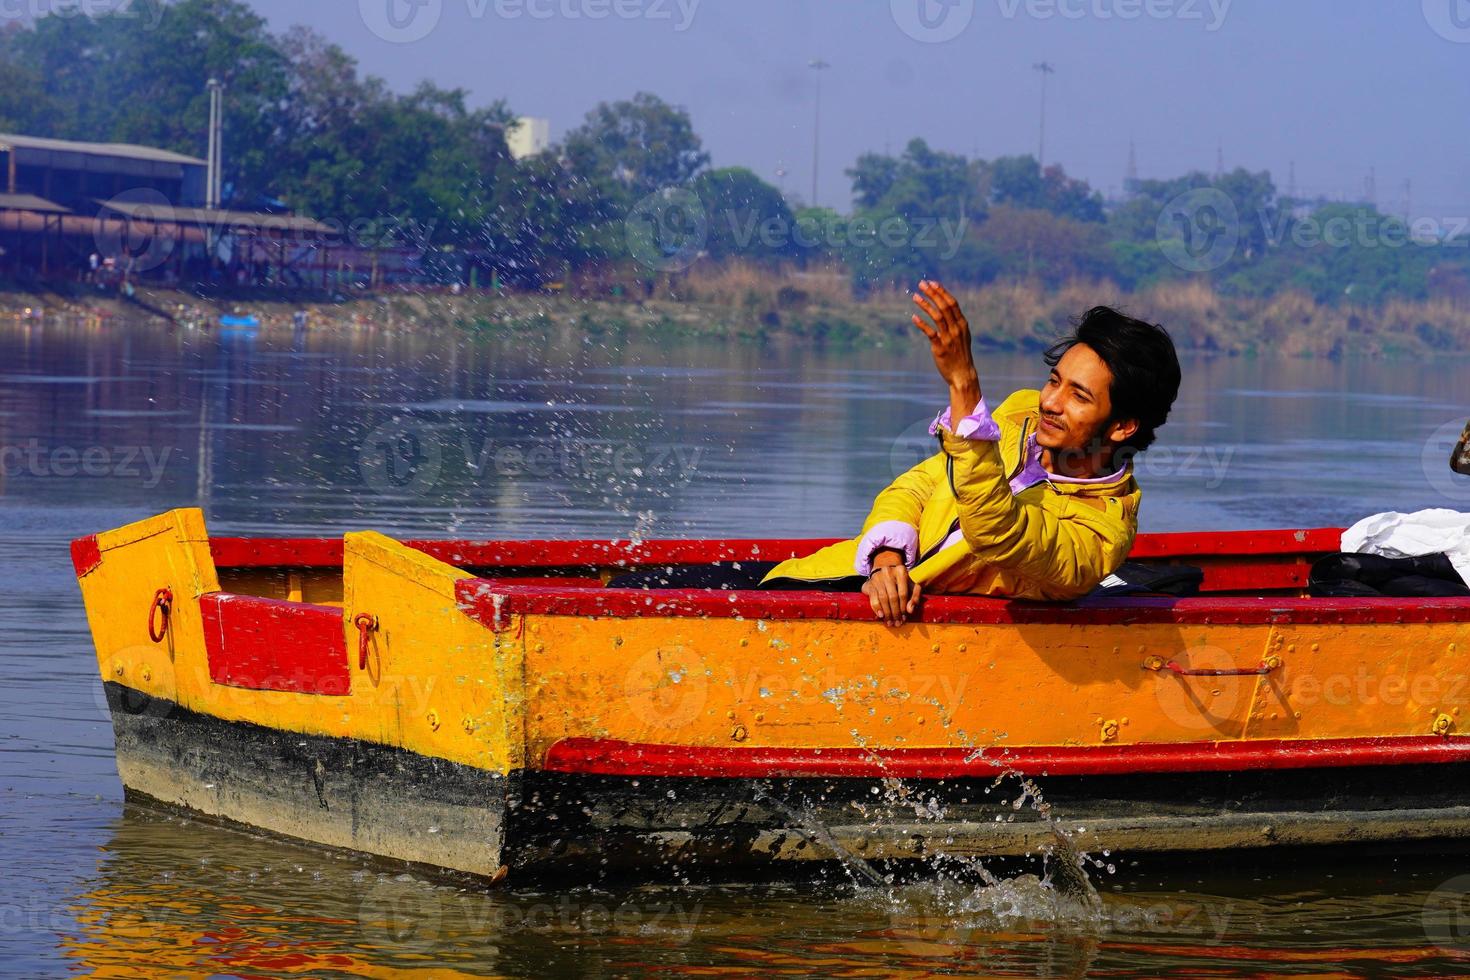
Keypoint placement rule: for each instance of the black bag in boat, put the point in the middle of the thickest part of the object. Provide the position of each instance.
(1347, 574)
(1136, 578)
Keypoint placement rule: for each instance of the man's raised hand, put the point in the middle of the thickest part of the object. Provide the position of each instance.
(949, 337)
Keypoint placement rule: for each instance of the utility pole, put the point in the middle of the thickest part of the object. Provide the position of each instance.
(1046, 68)
(212, 192)
(817, 65)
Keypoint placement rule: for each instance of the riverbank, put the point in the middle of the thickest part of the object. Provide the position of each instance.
(738, 305)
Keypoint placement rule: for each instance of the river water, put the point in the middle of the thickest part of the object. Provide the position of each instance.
(439, 432)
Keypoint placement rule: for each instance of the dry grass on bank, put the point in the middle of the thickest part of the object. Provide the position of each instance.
(738, 301)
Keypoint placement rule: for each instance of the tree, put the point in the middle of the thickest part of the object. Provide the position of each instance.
(1020, 182)
(121, 77)
(922, 184)
(748, 218)
(636, 147)
(1033, 243)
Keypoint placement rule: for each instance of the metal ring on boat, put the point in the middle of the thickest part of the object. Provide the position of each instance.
(162, 601)
(366, 624)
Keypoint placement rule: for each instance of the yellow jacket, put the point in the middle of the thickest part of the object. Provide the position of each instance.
(1053, 541)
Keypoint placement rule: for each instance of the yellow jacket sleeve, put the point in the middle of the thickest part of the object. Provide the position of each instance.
(904, 498)
(1066, 548)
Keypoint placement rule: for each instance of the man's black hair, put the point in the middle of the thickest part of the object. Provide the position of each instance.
(1143, 362)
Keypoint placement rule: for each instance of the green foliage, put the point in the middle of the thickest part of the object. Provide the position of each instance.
(130, 78)
(427, 168)
(748, 218)
(633, 148)
(1021, 183)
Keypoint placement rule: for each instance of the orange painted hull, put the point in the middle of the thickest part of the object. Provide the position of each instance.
(474, 671)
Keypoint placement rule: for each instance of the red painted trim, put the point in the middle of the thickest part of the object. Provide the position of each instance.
(270, 645)
(85, 554)
(608, 757)
(482, 599)
(327, 552)
(1252, 574)
(1202, 544)
(276, 552)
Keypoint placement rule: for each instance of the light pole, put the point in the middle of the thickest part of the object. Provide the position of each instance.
(212, 192)
(817, 65)
(1046, 68)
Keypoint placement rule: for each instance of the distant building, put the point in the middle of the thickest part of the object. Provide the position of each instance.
(62, 201)
(77, 176)
(528, 136)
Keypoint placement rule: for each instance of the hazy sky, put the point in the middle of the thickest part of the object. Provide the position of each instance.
(1338, 86)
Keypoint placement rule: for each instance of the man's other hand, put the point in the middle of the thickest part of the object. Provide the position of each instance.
(890, 591)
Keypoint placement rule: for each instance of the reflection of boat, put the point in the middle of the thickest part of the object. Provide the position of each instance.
(481, 706)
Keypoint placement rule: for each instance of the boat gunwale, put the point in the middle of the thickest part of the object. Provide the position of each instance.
(494, 602)
(259, 552)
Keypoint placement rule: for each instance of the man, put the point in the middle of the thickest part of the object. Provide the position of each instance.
(1036, 500)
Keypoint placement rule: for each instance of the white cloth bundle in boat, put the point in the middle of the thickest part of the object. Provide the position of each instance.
(1425, 532)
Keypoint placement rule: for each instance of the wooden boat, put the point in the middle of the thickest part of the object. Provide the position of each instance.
(488, 707)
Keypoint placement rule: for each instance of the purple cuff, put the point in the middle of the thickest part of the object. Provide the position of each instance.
(977, 425)
(887, 534)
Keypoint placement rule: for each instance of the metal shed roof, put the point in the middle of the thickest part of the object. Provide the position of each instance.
(30, 202)
(144, 211)
(125, 151)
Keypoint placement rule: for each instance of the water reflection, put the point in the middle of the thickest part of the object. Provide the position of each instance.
(177, 898)
(437, 432)
(569, 435)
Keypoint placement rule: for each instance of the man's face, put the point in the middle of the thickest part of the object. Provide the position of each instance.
(1075, 404)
